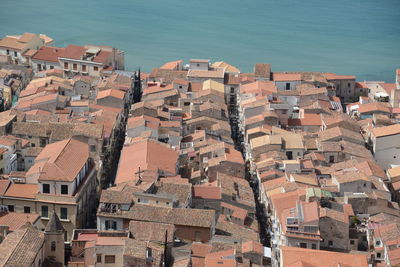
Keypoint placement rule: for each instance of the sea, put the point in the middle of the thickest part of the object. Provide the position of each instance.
(351, 37)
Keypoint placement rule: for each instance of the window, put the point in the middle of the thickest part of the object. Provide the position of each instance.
(96, 68)
(39, 67)
(93, 148)
(149, 253)
(232, 90)
(53, 245)
(84, 68)
(65, 65)
(303, 245)
(46, 189)
(51, 67)
(27, 209)
(109, 259)
(33, 145)
(330, 243)
(15, 54)
(348, 84)
(313, 246)
(64, 213)
(378, 243)
(287, 86)
(74, 66)
(11, 208)
(111, 225)
(378, 255)
(167, 203)
(351, 242)
(45, 211)
(98, 258)
(8, 52)
(64, 189)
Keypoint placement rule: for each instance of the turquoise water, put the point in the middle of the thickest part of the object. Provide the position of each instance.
(360, 37)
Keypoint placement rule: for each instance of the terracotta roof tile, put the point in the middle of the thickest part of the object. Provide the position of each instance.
(22, 191)
(15, 220)
(61, 161)
(207, 192)
(21, 247)
(172, 65)
(148, 155)
(283, 77)
(48, 53)
(313, 258)
(111, 93)
(386, 130)
(152, 231)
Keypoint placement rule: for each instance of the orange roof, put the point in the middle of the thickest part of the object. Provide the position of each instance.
(361, 85)
(388, 87)
(111, 92)
(386, 130)
(394, 256)
(206, 192)
(200, 249)
(252, 246)
(335, 215)
(334, 76)
(157, 89)
(3, 186)
(237, 212)
(146, 155)
(48, 53)
(286, 77)
(45, 98)
(291, 256)
(172, 65)
(375, 106)
(224, 258)
(73, 52)
(258, 87)
(61, 161)
(22, 190)
(15, 220)
(309, 119)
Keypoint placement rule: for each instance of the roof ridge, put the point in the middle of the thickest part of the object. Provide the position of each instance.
(62, 150)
